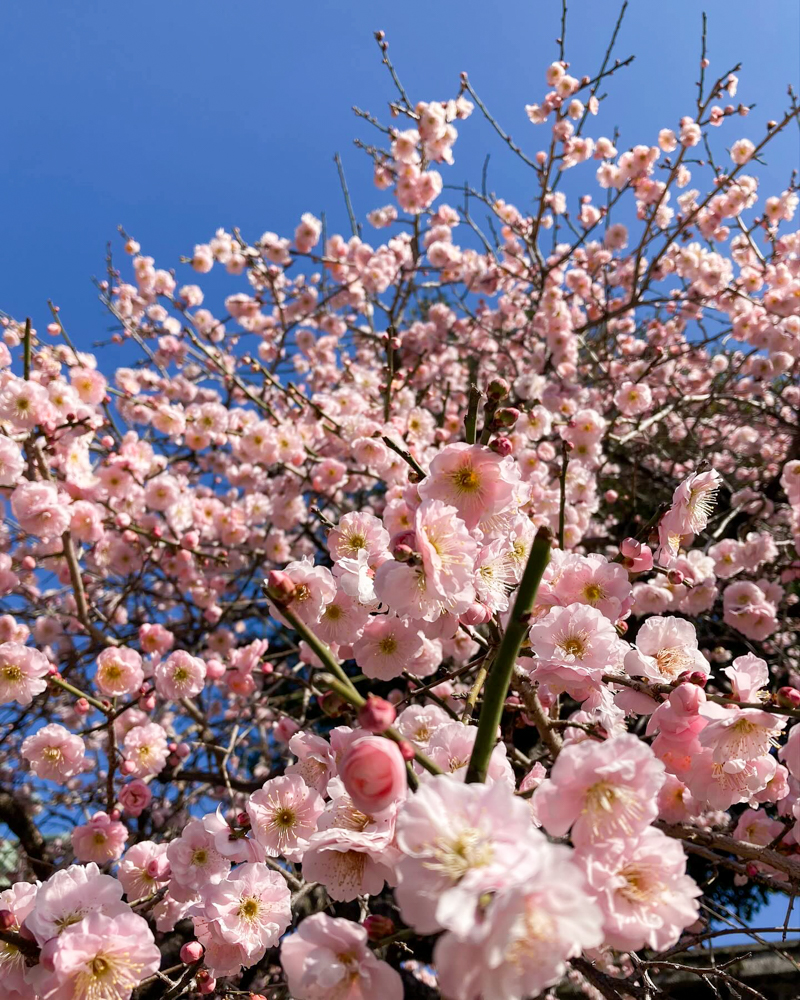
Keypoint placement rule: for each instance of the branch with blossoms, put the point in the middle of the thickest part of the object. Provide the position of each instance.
(420, 620)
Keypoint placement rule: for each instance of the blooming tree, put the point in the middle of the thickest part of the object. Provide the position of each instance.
(421, 621)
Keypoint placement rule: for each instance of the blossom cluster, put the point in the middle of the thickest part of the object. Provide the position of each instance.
(424, 611)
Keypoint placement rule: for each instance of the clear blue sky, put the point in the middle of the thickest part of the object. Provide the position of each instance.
(174, 117)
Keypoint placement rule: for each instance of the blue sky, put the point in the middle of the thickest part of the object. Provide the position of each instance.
(174, 118)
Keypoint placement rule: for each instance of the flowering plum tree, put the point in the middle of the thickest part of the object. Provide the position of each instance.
(421, 621)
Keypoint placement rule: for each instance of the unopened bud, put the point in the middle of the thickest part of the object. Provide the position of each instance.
(332, 705)
(376, 715)
(788, 697)
(498, 389)
(378, 926)
(407, 750)
(507, 416)
(675, 577)
(502, 446)
(280, 586)
(403, 553)
(7, 920)
(192, 952)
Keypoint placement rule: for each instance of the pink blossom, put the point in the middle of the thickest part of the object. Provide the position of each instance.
(68, 896)
(474, 480)
(387, 647)
(119, 671)
(137, 881)
(528, 933)
(574, 646)
(134, 797)
(644, 892)
(664, 649)
(454, 850)
(443, 580)
(103, 956)
(40, 509)
(250, 907)
(327, 958)
(54, 752)
(21, 673)
(601, 791)
(146, 749)
(194, 860)
(101, 839)
(181, 675)
(283, 814)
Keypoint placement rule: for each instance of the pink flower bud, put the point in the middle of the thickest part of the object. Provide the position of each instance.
(280, 586)
(374, 774)
(147, 703)
(675, 577)
(631, 548)
(82, 706)
(377, 715)
(285, 729)
(611, 496)
(502, 446)
(788, 697)
(192, 952)
(498, 389)
(507, 417)
(215, 669)
(127, 767)
(206, 985)
(378, 926)
(7, 920)
(159, 869)
(751, 869)
(476, 614)
(403, 553)
(407, 750)
(183, 750)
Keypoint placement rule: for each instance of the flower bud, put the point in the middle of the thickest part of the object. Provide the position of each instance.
(373, 771)
(280, 586)
(192, 952)
(788, 697)
(611, 496)
(502, 446)
(406, 749)
(631, 548)
(507, 417)
(332, 705)
(675, 577)
(377, 926)
(7, 920)
(476, 614)
(403, 553)
(159, 868)
(376, 715)
(498, 389)
(82, 706)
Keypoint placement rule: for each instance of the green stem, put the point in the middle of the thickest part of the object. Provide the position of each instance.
(500, 675)
(471, 419)
(60, 682)
(562, 482)
(322, 650)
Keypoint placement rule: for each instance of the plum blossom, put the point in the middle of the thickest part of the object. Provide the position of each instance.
(601, 791)
(328, 958)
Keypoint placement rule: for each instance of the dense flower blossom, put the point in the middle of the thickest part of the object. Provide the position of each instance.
(643, 890)
(327, 958)
(601, 791)
(271, 609)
